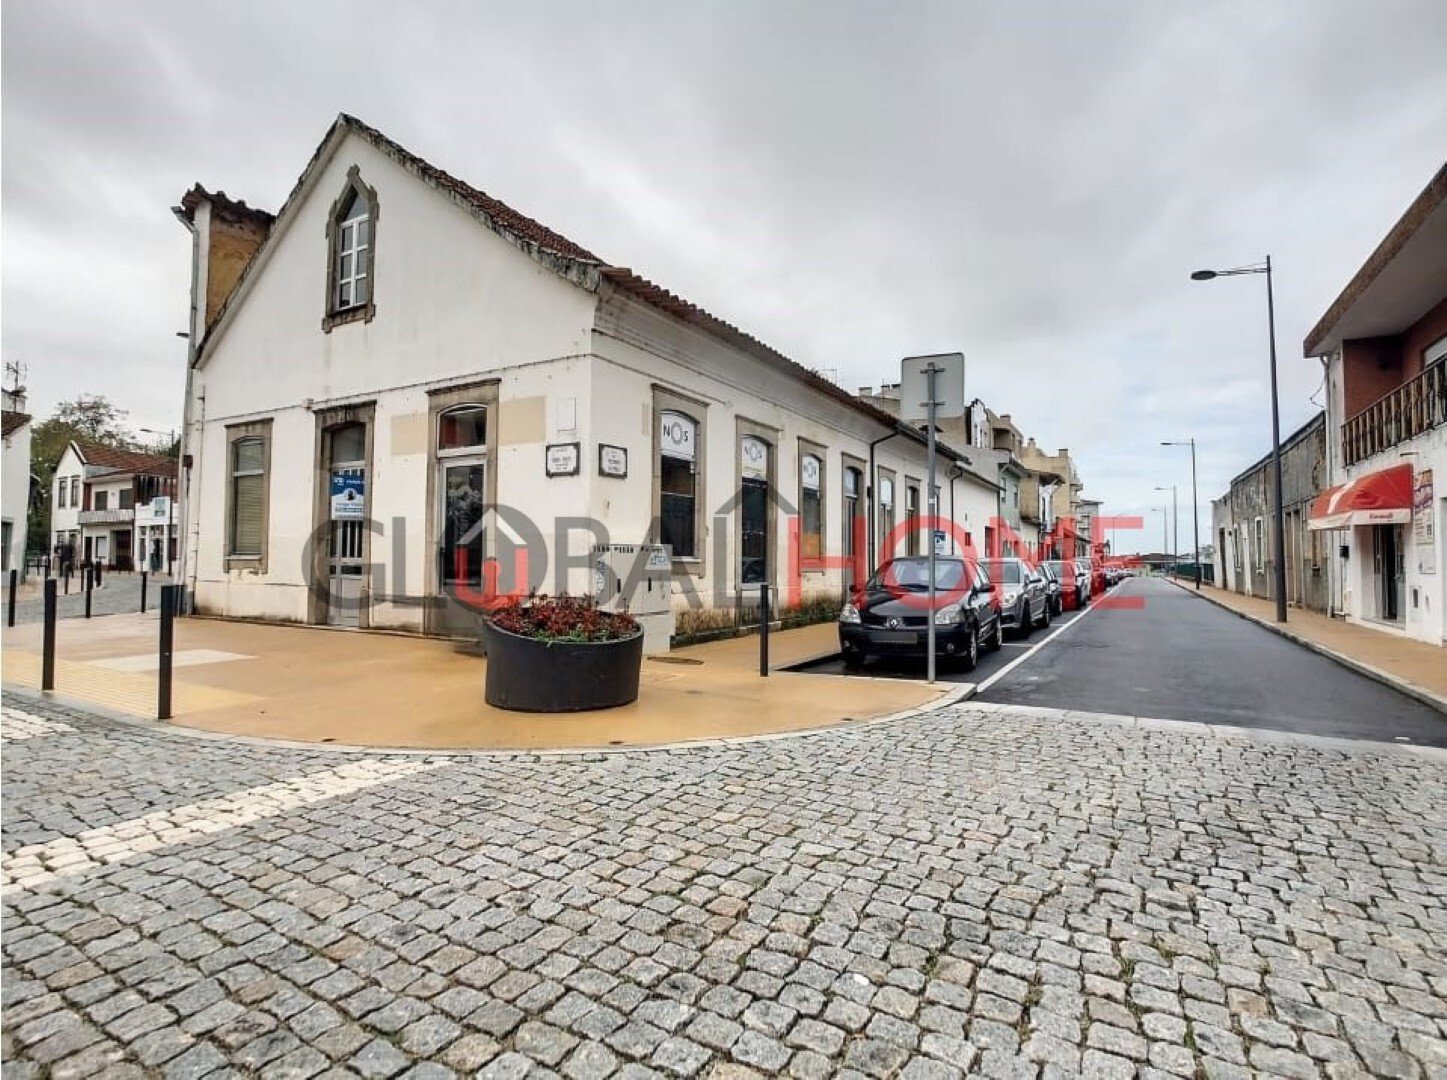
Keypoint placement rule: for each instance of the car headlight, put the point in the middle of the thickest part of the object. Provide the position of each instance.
(849, 614)
(949, 615)
(1011, 597)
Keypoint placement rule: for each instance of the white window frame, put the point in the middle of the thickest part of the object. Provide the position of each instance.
(360, 254)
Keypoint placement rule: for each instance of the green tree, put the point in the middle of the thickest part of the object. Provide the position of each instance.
(90, 418)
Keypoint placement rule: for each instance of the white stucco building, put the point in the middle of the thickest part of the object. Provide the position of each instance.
(397, 382)
(14, 481)
(1383, 344)
(115, 507)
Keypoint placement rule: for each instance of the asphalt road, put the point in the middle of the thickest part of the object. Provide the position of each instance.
(1175, 656)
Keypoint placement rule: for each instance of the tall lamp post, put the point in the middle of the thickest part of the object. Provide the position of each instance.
(1175, 521)
(1278, 527)
(1165, 529)
(1195, 503)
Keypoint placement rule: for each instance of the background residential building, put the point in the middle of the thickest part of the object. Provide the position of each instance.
(1383, 344)
(14, 477)
(1245, 554)
(115, 507)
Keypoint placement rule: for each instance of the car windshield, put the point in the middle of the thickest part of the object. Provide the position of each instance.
(1006, 573)
(914, 574)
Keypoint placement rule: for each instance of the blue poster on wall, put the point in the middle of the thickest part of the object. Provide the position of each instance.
(349, 491)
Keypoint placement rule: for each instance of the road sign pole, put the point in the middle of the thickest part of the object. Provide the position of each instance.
(931, 406)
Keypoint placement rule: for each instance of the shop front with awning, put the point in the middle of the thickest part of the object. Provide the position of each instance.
(1383, 497)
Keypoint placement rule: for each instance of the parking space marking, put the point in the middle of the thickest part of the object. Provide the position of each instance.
(1013, 664)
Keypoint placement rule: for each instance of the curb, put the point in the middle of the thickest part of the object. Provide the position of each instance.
(171, 728)
(1386, 678)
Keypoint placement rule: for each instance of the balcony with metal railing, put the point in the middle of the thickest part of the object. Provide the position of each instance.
(1410, 410)
(114, 516)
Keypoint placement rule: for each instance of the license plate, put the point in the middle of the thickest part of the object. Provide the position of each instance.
(896, 637)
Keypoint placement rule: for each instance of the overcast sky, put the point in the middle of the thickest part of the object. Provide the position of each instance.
(1029, 183)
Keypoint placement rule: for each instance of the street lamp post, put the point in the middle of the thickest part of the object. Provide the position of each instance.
(1279, 518)
(1165, 528)
(1195, 503)
(1175, 521)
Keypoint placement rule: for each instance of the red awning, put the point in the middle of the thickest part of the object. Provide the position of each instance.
(1376, 498)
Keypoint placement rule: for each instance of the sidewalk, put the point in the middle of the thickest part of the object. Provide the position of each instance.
(1414, 667)
(349, 687)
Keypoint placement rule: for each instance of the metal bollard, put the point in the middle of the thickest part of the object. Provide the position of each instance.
(89, 580)
(98, 567)
(10, 604)
(47, 647)
(143, 592)
(170, 597)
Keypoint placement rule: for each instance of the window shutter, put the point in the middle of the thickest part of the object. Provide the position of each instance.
(249, 505)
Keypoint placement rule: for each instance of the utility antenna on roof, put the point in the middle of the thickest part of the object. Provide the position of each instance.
(15, 373)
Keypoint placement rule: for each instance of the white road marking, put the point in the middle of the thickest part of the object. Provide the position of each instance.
(185, 658)
(17, 724)
(36, 864)
(1013, 664)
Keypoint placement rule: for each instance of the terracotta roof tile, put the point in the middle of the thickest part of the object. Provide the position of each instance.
(14, 421)
(130, 461)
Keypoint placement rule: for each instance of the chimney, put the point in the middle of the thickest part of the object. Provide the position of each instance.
(227, 235)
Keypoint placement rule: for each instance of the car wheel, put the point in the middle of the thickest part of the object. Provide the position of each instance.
(971, 656)
(1045, 614)
(996, 641)
(1025, 623)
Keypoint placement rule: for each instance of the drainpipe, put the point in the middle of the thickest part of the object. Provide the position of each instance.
(956, 471)
(182, 492)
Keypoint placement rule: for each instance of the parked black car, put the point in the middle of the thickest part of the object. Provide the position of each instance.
(890, 615)
(1053, 592)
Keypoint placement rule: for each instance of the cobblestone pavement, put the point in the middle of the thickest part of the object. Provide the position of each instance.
(989, 890)
(119, 594)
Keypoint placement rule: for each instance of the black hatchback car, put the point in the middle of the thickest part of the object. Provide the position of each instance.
(890, 615)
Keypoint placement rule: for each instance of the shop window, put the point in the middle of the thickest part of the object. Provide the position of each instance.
(811, 507)
(462, 428)
(248, 493)
(678, 483)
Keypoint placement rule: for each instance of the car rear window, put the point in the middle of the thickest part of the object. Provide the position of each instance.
(1007, 573)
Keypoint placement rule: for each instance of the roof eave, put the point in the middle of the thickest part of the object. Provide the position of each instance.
(1322, 338)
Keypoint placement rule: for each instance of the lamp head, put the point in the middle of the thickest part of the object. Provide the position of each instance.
(1202, 275)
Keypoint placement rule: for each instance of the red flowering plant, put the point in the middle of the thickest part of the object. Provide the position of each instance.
(563, 618)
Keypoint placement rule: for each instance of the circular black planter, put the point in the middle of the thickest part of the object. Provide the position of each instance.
(528, 675)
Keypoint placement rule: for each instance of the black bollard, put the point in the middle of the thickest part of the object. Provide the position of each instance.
(170, 595)
(89, 579)
(97, 574)
(47, 646)
(10, 604)
(143, 592)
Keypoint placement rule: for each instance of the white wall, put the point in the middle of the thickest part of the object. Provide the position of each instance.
(15, 492)
(454, 303)
(66, 519)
